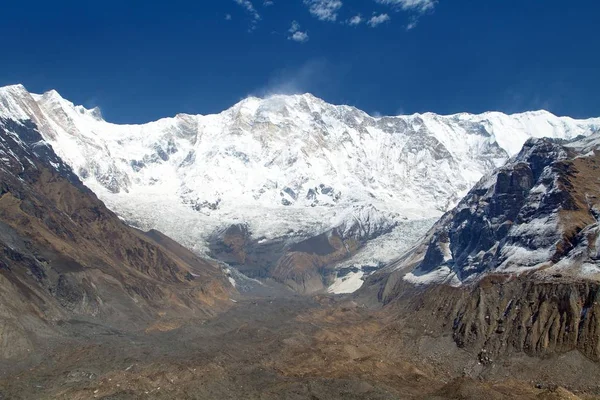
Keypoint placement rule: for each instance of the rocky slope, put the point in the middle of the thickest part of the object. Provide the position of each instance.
(310, 166)
(514, 267)
(64, 256)
(538, 212)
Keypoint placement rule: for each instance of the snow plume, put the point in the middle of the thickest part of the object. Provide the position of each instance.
(307, 78)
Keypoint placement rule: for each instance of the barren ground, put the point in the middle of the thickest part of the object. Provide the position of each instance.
(284, 347)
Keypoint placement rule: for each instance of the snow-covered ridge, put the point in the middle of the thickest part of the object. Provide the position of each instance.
(285, 165)
(539, 212)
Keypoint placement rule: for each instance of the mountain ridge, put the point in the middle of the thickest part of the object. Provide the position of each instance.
(251, 97)
(537, 215)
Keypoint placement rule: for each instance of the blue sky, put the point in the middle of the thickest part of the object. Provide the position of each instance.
(139, 61)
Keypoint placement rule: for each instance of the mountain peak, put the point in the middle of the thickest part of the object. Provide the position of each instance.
(254, 102)
(16, 88)
(52, 94)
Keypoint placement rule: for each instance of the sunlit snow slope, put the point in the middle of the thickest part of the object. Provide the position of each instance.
(287, 166)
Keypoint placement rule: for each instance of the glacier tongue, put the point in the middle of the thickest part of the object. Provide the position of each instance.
(287, 166)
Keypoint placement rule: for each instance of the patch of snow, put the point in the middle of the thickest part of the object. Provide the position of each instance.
(441, 275)
(347, 284)
(590, 269)
(519, 259)
(229, 277)
(386, 248)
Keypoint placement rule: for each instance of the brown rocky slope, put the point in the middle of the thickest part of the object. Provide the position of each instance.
(64, 255)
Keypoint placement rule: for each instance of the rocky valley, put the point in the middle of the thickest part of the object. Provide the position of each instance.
(290, 248)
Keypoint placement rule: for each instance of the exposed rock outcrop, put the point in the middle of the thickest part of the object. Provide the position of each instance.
(499, 316)
(301, 265)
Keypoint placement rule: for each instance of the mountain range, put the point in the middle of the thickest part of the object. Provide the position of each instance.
(365, 188)
(469, 244)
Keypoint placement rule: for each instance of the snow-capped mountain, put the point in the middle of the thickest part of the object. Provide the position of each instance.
(515, 266)
(288, 167)
(539, 212)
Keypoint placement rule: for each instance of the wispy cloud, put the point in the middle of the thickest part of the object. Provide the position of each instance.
(325, 10)
(410, 5)
(296, 34)
(312, 76)
(415, 7)
(356, 20)
(295, 27)
(254, 15)
(525, 95)
(329, 11)
(376, 20)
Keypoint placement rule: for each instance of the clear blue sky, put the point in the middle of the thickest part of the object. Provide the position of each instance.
(140, 61)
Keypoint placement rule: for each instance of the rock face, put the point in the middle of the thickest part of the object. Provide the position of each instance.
(302, 266)
(64, 255)
(537, 318)
(255, 258)
(289, 168)
(501, 316)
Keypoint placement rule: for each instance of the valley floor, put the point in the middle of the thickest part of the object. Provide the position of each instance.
(288, 347)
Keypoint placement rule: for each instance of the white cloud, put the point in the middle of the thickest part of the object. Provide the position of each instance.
(377, 20)
(416, 7)
(247, 4)
(412, 24)
(356, 20)
(300, 37)
(228, 17)
(325, 10)
(296, 34)
(410, 5)
(267, 3)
